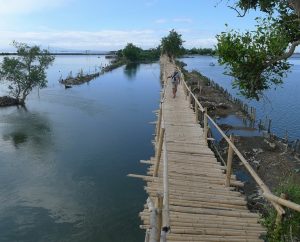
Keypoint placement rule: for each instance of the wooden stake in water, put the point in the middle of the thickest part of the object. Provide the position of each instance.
(269, 126)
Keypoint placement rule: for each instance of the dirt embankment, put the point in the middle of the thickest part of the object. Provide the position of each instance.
(80, 79)
(266, 153)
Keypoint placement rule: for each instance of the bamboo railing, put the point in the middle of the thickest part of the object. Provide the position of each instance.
(277, 202)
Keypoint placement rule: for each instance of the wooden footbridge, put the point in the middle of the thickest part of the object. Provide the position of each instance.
(192, 197)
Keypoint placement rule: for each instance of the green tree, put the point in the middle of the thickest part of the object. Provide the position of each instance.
(172, 44)
(132, 52)
(26, 71)
(258, 59)
(200, 51)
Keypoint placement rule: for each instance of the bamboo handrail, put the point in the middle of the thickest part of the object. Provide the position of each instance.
(249, 168)
(190, 91)
(282, 201)
(258, 180)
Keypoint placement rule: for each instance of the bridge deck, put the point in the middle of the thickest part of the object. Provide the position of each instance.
(201, 208)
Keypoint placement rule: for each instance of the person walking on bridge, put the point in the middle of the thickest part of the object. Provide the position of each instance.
(175, 79)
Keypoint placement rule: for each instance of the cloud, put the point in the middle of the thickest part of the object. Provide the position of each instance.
(183, 20)
(175, 20)
(203, 42)
(82, 40)
(150, 3)
(160, 21)
(102, 40)
(13, 7)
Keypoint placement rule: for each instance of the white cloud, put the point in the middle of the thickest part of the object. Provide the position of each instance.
(150, 3)
(183, 20)
(203, 43)
(13, 7)
(81, 40)
(102, 40)
(160, 21)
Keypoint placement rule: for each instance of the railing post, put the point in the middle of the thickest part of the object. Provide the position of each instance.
(229, 163)
(196, 111)
(158, 153)
(186, 93)
(159, 206)
(279, 216)
(205, 124)
(190, 97)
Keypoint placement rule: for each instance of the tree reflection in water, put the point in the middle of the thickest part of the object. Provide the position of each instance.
(131, 69)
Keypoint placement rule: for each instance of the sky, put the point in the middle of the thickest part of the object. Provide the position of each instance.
(102, 25)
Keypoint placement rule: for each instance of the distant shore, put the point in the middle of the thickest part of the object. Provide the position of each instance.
(69, 53)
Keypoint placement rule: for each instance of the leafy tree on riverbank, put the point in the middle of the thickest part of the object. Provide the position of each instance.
(172, 45)
(25, 71)
(258, 59)
(133, 53)
(200, 51)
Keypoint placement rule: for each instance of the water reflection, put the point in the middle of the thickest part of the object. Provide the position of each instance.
(23, 126)
(131, 69)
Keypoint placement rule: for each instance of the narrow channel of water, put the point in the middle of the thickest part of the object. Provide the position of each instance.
(64, 160)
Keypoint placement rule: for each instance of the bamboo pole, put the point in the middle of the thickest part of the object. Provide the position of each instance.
(190, 99)
(205, 124)
(159, 122)
(269, 126)
(159, 149)
(159, 206)
(188, 90)
(147, 235)
(279, 216)
(229, 163)
(166, 187)
(282, 201)
(153, 223)
(205, 218)
(258, 180)
(196, 112)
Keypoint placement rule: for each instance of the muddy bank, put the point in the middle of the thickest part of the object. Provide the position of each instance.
(80, 78)
(266, 153)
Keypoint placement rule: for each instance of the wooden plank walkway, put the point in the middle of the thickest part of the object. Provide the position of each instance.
(200, 207)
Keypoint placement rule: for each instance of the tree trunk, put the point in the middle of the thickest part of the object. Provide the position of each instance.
(296, 6)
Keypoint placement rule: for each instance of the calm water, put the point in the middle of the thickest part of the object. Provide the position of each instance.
(280, 104)
(64, 160)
